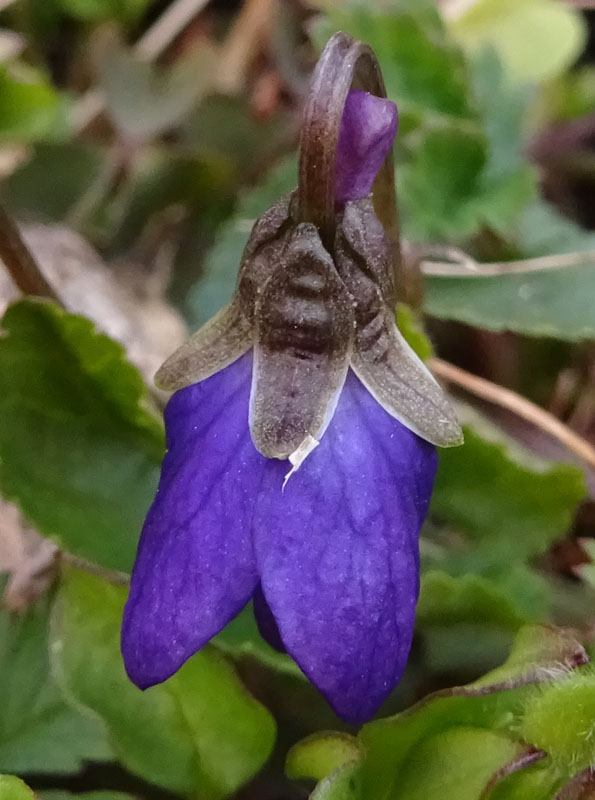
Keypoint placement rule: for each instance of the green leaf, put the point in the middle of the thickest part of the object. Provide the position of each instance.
(560, 719)
(79, 448)
(496, 508)
(144, 100)
(508, 183)
(30, 108)
(543, 303)
(422, 67)
(12, 788)
(536, 39)
(161, 180)
(571, 95)
(48, 185)
(553, 303)
(450, 182)
(449, 188)
(200, 733)
(439, 182)
(342, 784)
(448, 600)
(431, 733)
(225, 129)
(322, 753)
(456, 764)
(454, 743)
(467, 621)
(63, 795)
(503, 109)
(101, 10)
(334, 760)
(504, 499)
(39, 733)
(535, 783)
(543, 231)
(540, 653)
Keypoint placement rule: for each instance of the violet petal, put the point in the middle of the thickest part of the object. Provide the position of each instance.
(195, 567)
(337, 551)
(368, 127)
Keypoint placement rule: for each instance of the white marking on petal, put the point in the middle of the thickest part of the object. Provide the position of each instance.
(299, 455)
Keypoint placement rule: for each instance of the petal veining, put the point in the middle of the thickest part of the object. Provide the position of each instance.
(195, 567)
(337, 551)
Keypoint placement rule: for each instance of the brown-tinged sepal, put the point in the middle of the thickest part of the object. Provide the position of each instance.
(384, 362)
(229, 334)
(304, 334)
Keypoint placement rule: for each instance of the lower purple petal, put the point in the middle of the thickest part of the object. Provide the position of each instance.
(195, 567)
(337, 551)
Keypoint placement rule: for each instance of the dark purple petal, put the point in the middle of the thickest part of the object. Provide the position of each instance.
(337, 551)
(195, 567)
(368, 127)
(266, 622)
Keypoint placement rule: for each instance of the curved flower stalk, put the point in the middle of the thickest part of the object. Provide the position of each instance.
(301, 455)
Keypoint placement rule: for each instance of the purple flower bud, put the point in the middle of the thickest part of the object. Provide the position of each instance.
(368, 128)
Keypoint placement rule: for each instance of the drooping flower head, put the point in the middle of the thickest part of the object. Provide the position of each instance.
(301, 456)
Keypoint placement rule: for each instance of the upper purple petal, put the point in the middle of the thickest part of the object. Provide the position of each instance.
(368, 127)
(195, 567)
(337, 551)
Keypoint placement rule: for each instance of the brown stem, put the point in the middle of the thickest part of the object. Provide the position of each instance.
(19, 262)
(505, 398)
(344, 64)
(248, 32)
(450, 262)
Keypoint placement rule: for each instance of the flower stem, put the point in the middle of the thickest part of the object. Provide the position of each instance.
(343, 65)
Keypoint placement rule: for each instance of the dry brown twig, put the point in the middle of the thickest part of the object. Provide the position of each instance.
(248, 32)
(451, 262)
(506, 398)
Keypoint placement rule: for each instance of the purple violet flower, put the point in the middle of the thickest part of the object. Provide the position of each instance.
(326, 542)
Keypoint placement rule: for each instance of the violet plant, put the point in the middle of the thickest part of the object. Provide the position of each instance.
(304, 504)
(301, 438)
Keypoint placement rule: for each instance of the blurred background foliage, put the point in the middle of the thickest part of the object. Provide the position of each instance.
(139, 140)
